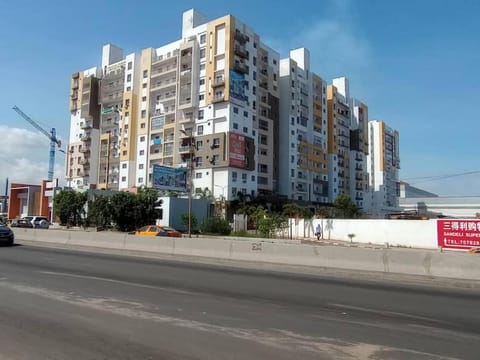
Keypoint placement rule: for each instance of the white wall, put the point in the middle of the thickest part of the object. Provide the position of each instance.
(410, 233)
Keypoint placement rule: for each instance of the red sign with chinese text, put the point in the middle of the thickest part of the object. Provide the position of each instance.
(237, 150)
(458, 233)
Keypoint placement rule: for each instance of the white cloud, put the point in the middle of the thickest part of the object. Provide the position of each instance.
(24, 157)
(336, 47)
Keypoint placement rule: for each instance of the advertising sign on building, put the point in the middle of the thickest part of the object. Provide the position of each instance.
(458, 233)
(236, 152)
(169, 178)
(237, 85)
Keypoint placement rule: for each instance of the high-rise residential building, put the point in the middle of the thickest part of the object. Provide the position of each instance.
(347, 143)
(222, 104)
(383, 164)
(303, 131)
(209, 99)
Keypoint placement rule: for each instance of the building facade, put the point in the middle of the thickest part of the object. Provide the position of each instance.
(222, 104)
(383, 163)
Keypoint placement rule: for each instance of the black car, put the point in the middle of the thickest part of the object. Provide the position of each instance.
(6, 235)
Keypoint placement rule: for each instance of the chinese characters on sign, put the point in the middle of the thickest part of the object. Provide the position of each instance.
(458, 233)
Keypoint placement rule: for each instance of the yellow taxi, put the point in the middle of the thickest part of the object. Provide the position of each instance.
(158, 230)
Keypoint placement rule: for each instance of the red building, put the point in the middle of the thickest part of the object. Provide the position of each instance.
(26, 199)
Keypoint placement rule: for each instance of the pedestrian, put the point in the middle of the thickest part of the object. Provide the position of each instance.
(318, 232)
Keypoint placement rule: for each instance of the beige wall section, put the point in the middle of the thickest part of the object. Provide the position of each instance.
(331, 145)
(229, 23)
(76, 86)
(146, 64)
(381, 135)
(129, 143)
(103, 147)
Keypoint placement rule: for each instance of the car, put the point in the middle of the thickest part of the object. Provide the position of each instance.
(38, 222)
(6, 235)
(158, 230)
(22, 223)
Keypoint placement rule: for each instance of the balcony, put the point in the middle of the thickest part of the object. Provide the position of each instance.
(85, 137)
(164, 71)
(163, 85)
(83, 173)
(218, 80)
(186, 149)
(218, 98)
(86, 125)
(241, 67)
(241, 51)
(85, 149)
(84, 162)
(240, 37)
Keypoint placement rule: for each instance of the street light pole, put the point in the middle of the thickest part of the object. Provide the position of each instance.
(190, 188)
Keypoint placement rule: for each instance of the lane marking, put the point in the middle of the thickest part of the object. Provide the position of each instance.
(121, 282)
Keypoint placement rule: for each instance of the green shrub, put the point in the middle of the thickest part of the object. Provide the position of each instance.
(216, 225)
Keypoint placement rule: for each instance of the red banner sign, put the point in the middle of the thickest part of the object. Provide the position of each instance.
(458, 233)
(237, 150)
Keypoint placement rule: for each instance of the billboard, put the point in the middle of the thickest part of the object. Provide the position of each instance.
(236, 150)
(237, 85)
(458, 233)
(169, 178)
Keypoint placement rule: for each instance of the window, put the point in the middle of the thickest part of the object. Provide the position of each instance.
(142, 152)
(199, 144)
(263, 140)
(202, 53)
(234, 176)
(124, 178)
(202, 81)
(215, 158)
(254, 75)
(235, 126)
(144, 85)
(216, 142)
(200, 130)
(145, 74)
(129, 77)
(200, 114)
(124, 152)
(142, 138)
(198, 175)
(245, 113)
(129, 88)
(124, 166)
(142, 126)
(140, 180)
(244, 177)
(234, 191)
(129, 65)
(140, 166)
(263, 152)
(254, 61)
(245, 130)
(144, 98)
(253, 177)
(201, 97)
(199, 161)
(254, 90)
(292, 173)
(143, 114)
(203, 38)
(274, 77)
(274, 62)
(202, 67)
(235, 110)
(254, 132)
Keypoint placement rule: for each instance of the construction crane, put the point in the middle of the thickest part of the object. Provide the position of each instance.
(52, 136)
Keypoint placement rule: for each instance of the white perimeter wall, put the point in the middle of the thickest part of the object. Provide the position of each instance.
(410, 233)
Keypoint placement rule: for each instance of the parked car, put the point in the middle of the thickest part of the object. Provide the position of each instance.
(6, 235)
(38, 222)
(158, 230)
(21, 223)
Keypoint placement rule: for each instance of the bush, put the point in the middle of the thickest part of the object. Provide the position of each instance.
(216, 225)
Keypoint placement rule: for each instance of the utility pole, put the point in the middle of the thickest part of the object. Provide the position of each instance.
(190, 186)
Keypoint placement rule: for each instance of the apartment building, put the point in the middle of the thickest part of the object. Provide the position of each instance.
(303, 130)
(208, 101)
(347, 143)
(383, 163)
(81, 157)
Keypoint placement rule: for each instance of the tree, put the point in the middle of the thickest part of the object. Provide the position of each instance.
(193, 224)
(205, 194)
(100, 212)
(344, 207)
(69, 206)
(216, 225)
(125, 211)
(147, 207)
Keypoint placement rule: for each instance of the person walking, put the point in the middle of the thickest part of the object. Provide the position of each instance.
(318, 232)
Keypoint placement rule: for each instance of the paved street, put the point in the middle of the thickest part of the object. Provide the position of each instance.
(62, 304)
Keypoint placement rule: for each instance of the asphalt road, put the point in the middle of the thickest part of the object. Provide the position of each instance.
(61, 304)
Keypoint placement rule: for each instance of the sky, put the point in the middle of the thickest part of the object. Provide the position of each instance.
(414, 63)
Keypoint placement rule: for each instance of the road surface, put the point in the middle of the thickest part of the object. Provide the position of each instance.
(64, 304)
